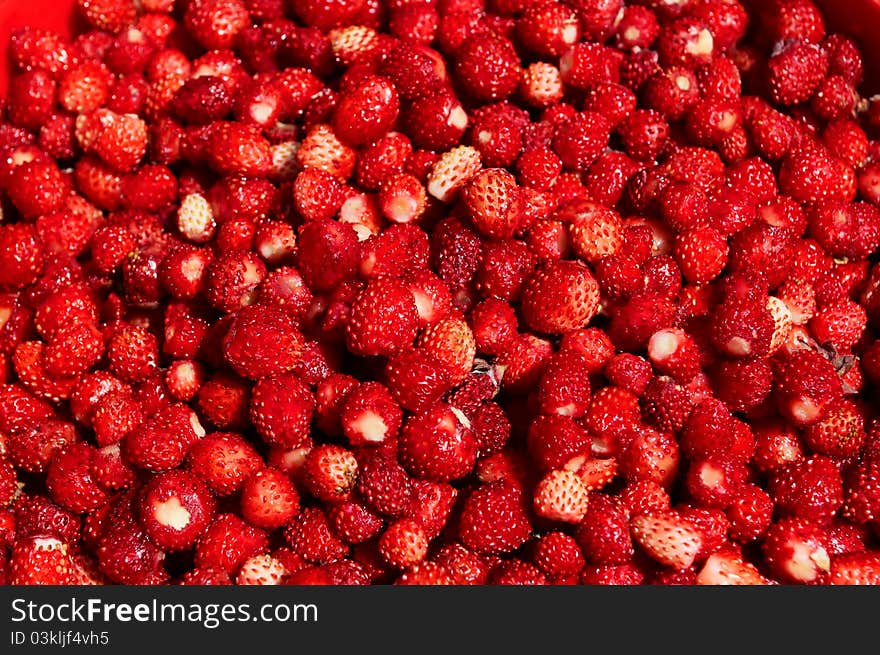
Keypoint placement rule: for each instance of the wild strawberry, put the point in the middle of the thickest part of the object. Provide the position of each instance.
(417, 379)
(384, 302)
(30, 368)
(281, 345)
(604, 533)
(668, 539)
(581, 139)
(403, 544)
(811, 489)
(311, 536)
(384, 485)
(160, 443)
(223, 461)
(109, 15)
(22, 260)
(175, 508)
(438, 444)
(686, 42)
(281, 409)
(40, 561)
(560, 297)
(493, 519)
(228, 543)
(727, 567)
(650, 455)
(269, 499)
(795, 552)
(69, 480)
(854, 569)
(561, 496)
(805, 382)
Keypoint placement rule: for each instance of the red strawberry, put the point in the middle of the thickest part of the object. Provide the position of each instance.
(384, 319)
(668, 539)
(438, 444)
(855, 569)
(811, 489)
(795, 552)
(228, 543)
(384, 485)
(269, 499)
(311, 536)
(329, 472)
(727, 567)
(487, 67)
(403, 544)
(560, 297)
(40, 561)
(561, 496)
(493, 519)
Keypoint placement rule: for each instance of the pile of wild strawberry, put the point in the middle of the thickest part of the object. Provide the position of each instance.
(439, 291)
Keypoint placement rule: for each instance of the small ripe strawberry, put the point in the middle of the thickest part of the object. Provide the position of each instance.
(228, 543)
(862, 489)
(37, 187)
(674, 352)
(160, 443)
(493, 519)
(311, 536)
(384, 485)
(438, 444)
(701, 254)
(37, 516)
(261, 342)
(561, 496)
(425, 573)
(22, 258)
(557, 442)
(811, 489)
(840, 324)
(794, 551)
(69, 480)
(417, 379)
(727, 567)
(366, 111)
(840, 433)
(580, 140)
(214, 24)
(28, 363)
(686, 42)
(559, 297)
(268, 499)
(649, 455)
(604, 533)
(281, 409)
(403, 544)
(353, 522)
(742, 327)
(109, 15)
(796, 71)
(854, 569)
(431, 505)
(384, 319)
(805, 383)
(223, 461)
(813, 175)
(370, 415)
(487, 67)
(40, 561)
(668, 539)
(329, 472)
(175, 508)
